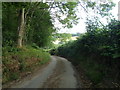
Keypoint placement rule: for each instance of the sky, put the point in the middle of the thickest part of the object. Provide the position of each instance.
(80, 27)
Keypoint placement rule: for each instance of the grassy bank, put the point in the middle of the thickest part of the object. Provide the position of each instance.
(17, 61)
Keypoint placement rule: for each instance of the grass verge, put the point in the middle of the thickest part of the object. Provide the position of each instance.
(21, 60)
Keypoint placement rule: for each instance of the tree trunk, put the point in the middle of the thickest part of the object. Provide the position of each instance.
(21, 28)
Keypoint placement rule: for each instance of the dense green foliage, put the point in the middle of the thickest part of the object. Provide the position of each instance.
(18, 61)
(97, 51)
(38, 23)
(38, 28)
(9, 25)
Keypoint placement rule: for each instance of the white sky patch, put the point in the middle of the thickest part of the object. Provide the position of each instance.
(81, 26)
(115, 9)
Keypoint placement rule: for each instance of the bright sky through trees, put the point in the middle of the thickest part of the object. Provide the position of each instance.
(80, 27)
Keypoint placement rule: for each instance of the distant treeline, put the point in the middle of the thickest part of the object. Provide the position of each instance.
(76, 34)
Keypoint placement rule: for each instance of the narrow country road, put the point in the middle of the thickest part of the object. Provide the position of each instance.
(59, 73)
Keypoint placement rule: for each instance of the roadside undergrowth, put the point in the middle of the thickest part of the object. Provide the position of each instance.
(16, 62)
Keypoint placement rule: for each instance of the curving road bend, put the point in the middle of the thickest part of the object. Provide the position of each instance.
(59, 73)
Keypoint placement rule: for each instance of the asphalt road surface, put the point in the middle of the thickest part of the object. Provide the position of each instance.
(59, 73)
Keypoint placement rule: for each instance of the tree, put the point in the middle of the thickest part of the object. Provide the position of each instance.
(21, 28)
(24, 15)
